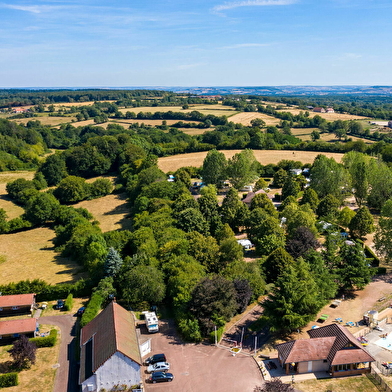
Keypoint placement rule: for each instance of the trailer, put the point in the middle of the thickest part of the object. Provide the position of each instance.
(152, 323)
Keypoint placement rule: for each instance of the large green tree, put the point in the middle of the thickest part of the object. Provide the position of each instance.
(329, 177)
(214, 167)
(276, 264)
(362, 223)
(383, 237)
(242, 169)
(294, 301)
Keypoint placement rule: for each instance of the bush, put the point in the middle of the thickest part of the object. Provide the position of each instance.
(47, 341)
(8, 380)
(92, 308)
(219, 333)
(371, 255)
(45, 291)
(190, 330)
(69, 302)
(381, 271)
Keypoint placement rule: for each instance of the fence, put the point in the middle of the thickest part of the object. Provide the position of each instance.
(379, 381)
(385, 371)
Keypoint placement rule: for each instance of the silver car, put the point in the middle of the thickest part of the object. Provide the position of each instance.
(159, 367)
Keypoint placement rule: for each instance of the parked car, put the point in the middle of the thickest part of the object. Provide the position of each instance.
(159, 367)
(60, 304)
(160, 377)
(81, 311)
(154, 359)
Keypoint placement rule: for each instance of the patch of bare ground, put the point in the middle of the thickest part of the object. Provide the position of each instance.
(110, 211)
(265, 157)
(30, 255)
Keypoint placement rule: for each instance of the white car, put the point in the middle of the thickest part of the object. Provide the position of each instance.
(159, 367)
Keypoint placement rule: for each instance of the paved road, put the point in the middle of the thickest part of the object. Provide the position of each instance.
(67, 374)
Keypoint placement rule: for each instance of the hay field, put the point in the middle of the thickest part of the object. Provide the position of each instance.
(12, 210)
(46, 120)
(245, 118)
(147, 122)
(327, 116)
(304, 134)
(263, 156)
(30, 255)
(110, 211)
(216, 110)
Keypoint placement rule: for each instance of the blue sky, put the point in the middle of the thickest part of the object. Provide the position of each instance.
(54, 43)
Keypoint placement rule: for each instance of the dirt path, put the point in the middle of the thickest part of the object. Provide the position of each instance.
(66, 379)
(240, 331)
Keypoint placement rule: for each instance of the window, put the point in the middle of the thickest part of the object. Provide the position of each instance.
(15, 307)
(1, 309)
(343, 367)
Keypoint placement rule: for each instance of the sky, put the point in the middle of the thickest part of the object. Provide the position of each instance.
(118, 43)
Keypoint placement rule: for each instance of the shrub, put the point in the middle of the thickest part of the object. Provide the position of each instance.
(219, 333)
(92, 308)
(8, 380)
(68, 302)
(381, 271)
(46, 341)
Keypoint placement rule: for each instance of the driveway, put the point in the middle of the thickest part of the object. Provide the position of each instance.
(199, 367)
(66, 379)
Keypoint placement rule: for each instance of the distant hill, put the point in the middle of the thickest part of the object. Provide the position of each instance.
(287, 90)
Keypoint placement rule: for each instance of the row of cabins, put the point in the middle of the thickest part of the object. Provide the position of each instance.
(16, 305)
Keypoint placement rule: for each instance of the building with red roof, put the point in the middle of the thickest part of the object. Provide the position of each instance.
(110, 353)
(11, 305)
(13, 329)
(331, 348)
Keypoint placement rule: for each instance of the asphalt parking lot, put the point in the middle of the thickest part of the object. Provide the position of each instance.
(199, 367)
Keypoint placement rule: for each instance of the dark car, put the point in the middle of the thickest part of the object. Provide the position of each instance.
(60, 304)
(160, 377)
(154, 359)
(81, 311)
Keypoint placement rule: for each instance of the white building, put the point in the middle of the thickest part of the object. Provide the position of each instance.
(110, 353)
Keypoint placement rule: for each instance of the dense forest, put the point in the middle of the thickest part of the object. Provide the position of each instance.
(181, 252)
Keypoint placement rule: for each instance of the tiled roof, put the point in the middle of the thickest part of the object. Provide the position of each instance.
(249, 197)
(113, 330)
(306, 349)
(351, 356)
(16, 300)
(18, 326)
(331, 342)
(344, 338)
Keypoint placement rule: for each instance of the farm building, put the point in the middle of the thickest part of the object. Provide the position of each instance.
(11, 305)
(331, 348)
(329, 110)
(12, 329)
(109, 352)
(319, 110)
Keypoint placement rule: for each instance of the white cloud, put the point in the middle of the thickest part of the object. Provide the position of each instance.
(34, 9)
(246, 45)
(252, 3)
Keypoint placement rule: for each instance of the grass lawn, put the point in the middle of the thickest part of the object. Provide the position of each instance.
(40, 377)
(346, 384)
